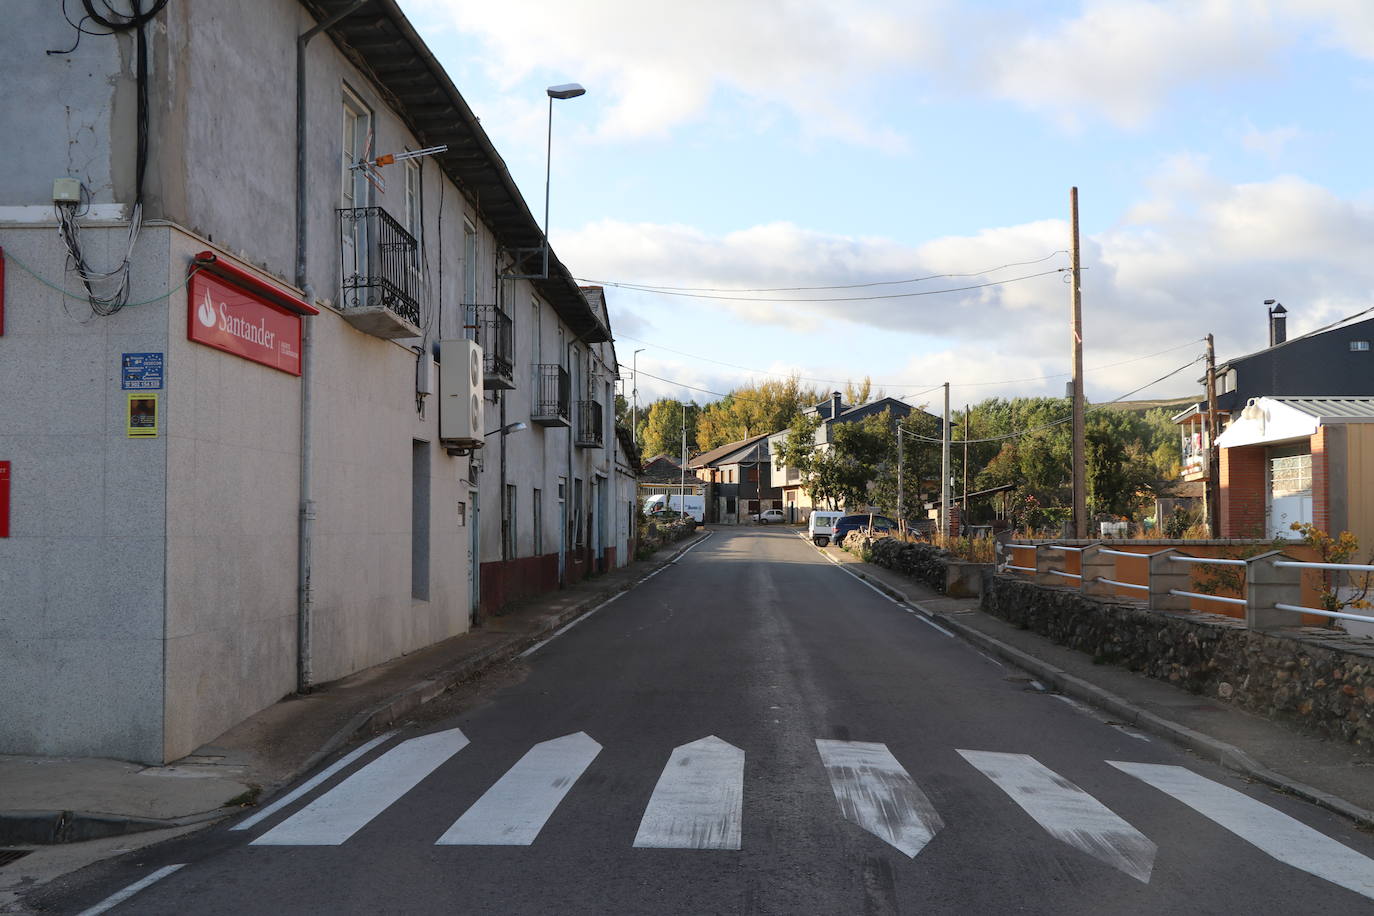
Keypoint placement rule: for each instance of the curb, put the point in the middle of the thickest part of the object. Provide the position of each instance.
(1214, 749)
(24, 828)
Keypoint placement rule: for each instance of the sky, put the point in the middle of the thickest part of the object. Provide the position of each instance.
(910, 163)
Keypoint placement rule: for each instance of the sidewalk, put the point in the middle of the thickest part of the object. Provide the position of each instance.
(49, 800)
(1327, 773)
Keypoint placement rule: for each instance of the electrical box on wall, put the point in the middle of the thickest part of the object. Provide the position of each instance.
(460, 394)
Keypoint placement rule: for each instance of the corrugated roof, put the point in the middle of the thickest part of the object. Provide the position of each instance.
(1332, 410)
(381, 42)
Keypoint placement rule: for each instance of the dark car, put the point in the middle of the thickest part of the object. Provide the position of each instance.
(847, 523)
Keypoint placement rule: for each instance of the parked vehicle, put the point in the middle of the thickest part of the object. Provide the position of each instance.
(821, 526)
(768, 517)
(660, 502)
(877, 523)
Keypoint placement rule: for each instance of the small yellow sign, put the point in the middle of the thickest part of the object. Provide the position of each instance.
(142, 418)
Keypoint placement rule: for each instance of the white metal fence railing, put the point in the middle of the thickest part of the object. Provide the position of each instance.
(1265, 594)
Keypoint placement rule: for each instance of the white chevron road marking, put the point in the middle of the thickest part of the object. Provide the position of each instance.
(875, 792)
(1268, 829)
(698, 801)
(1067, 812)
(516, 807)
(345, 809)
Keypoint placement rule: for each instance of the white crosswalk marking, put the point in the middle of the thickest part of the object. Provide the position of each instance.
(515, 809)
(877, 794)
(1288, 840)
(348, 807)
(698, 801)
(1067, 812)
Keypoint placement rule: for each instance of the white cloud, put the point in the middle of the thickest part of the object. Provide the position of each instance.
(1207, 256)
(1269, 143)
(661, 67)
(1120, 59)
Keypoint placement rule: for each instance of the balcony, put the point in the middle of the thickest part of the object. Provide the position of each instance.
(589, 425)
(379, 280)
(549, 405)
(493, 331)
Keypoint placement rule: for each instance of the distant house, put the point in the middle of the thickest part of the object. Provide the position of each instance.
(796, 501)
(663, 474)
(739, 478)
(1296, 459)
(1329, 362)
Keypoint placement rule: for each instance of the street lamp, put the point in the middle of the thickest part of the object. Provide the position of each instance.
(515, 427)
(561, 91)
(634, 394)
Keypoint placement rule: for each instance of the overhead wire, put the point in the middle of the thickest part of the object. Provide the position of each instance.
(929, 292)
(650, 287)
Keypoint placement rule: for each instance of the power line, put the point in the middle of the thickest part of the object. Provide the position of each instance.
(896, 387)
(1102, 406)
(650, 287)
(929, 292)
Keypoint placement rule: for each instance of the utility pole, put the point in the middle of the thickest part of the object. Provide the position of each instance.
(1213, 472)
(634, 393)
(964, 512)
(682, 483)
(901, 511)
(1080, 487)
(944, 471)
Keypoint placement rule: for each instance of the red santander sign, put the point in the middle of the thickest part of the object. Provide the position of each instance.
(232, 310)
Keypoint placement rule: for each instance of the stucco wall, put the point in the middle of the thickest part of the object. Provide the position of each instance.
(232, 433)
(76, 138)
(81, 575)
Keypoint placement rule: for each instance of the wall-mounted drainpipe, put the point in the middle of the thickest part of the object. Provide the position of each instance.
(304, 592)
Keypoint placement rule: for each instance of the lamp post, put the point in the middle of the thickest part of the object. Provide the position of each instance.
(562, 91)
(634, 394)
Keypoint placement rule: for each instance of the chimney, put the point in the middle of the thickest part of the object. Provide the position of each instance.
(834, 404)
(1278, 322)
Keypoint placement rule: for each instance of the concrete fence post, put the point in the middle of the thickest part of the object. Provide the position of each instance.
(1095, 565)
(1165, 574)
(1267, 585)
(1047, 562)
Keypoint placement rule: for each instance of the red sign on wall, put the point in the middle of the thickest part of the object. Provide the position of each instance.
(233, 311)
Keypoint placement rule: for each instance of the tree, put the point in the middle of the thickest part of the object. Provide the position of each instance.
(841, 472)
(753, 410)
(861, 393)
(661, 431)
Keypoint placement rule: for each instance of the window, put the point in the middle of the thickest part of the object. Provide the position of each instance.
(419, 520)
(1359, 346)
(508, 523)
(537, 521)
(355, 191)
(414, 214)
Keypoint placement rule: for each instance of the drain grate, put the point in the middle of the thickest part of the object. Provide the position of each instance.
(12, 855)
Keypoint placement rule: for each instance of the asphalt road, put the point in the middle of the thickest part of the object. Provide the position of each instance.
(753, 730)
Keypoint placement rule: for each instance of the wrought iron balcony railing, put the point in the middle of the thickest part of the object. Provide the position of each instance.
(380, 288)
(552, 391)
(589, 425)
(494, 331)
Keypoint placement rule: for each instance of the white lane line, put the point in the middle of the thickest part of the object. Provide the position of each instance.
(119, 897)
(877, 794)
(1067, 813)
(348, 807)
(311, 783)
(574, 622)
(515, 809)
(1286, 839)
(698, 801)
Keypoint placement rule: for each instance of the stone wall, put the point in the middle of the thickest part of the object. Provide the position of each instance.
(1322, 680)
(923, 562)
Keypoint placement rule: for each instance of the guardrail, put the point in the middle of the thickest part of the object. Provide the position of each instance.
(1273, 581)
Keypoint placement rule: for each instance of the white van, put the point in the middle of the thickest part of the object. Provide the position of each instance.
(821, 526)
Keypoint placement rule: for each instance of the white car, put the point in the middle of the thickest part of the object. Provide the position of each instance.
(821, 526)
(768, 516)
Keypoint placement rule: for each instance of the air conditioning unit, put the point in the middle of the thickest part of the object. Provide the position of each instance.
(460, 394)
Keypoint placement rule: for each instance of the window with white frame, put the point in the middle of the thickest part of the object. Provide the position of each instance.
(1359, 346)
(414, 212)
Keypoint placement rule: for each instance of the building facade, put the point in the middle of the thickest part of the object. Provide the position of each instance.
(227, 471)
